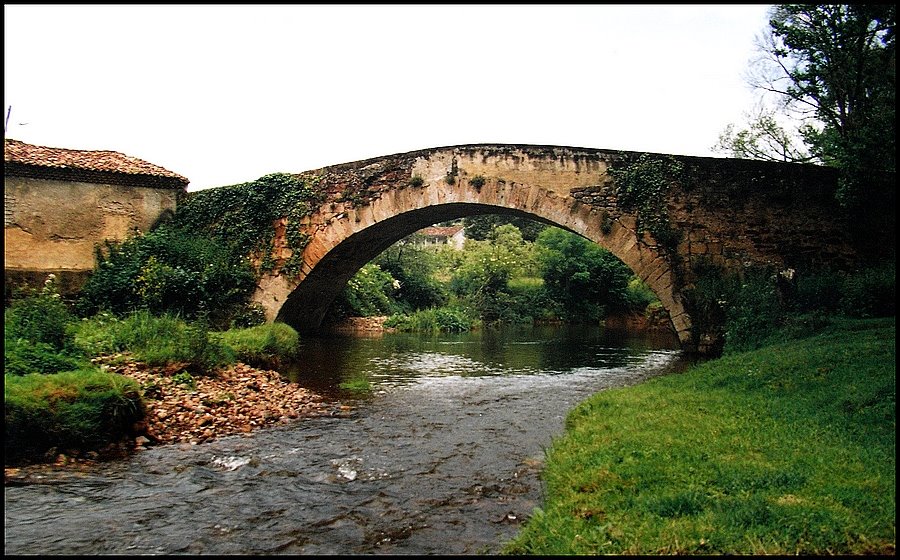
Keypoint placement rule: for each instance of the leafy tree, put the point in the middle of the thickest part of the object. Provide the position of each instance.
(582, 276)
(413, 267)
(479, 227)
(765, 139)
(488, 265)
(370, 292)
(831, 68)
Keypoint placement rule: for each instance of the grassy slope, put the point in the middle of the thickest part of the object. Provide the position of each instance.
(787, 449)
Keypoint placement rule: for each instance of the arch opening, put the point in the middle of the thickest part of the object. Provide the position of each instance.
(307, 305)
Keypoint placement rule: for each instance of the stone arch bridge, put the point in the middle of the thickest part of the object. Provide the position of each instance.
(730, 214)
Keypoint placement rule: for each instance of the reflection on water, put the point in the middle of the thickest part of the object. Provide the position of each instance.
(400, 358)
(443, 457)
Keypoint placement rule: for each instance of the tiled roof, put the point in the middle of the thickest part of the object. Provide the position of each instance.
(21, 158)
(441, 231)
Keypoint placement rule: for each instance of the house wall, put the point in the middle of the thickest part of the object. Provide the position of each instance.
(53, 225)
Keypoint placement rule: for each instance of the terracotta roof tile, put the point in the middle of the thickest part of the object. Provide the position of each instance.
(438, 231)
(20, 153)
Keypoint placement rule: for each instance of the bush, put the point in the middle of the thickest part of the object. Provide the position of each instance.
(40, 317)
(413, 267)
(80, 409)
(249, 315)
(38, 334)
(871, 292)
(168, 271)
(21, 357)
(759, 309)
(754, 313)
(638, 295)
(821, 291)
(581, 276)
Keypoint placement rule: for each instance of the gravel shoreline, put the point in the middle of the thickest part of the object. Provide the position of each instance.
(191, 410)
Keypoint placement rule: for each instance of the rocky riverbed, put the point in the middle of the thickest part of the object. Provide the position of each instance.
(186, 409)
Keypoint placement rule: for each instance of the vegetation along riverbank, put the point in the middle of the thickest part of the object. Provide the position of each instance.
(786, 449)
(79, 390)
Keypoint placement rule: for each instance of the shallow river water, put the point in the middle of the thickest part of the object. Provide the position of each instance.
(442, 456)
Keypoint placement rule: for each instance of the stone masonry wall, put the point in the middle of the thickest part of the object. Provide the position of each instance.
(53, 225)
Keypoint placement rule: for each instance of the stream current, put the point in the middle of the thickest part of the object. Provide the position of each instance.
(441, 456)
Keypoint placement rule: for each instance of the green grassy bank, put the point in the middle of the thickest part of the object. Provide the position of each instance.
(788, 449)
(55, 398)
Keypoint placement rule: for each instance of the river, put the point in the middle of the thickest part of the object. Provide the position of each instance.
(441, 456)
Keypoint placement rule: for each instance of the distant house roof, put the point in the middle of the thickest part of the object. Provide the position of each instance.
(95, 166)
(449, 231)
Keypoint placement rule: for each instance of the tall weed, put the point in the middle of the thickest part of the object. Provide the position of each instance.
(156, 341)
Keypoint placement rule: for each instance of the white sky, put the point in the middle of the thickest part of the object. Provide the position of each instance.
(225, 94)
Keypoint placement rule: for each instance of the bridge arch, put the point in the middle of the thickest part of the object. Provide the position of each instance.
(344, 237)
(729, 214)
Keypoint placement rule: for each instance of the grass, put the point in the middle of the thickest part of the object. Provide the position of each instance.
(357, 385)
(81, 409)
(788, 449)
(164, 340)
(154, 340)
(263, 345)
(432, 320)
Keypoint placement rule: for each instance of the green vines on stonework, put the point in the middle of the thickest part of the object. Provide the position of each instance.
(242, 216)
(605, 222)
(642, 187)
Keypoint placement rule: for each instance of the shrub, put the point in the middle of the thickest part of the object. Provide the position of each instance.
(413, 266)
(368, 293)
(871, 292)
(75, 409)
(638, 295)
(40, 317)
(582, 276)
(250, 315)
(168, 271)
(754, 313)
(21, 357)
(38, 334)
(821, 291)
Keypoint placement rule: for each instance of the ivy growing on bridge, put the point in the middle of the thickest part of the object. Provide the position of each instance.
(642, 186)
(241, 216)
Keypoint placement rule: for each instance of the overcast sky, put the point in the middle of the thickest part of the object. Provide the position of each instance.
(225, 94)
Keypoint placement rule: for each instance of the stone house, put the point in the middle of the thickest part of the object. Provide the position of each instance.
(61, 203)
(454, 236)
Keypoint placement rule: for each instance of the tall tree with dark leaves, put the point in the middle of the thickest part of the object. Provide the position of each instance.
(831, 67)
